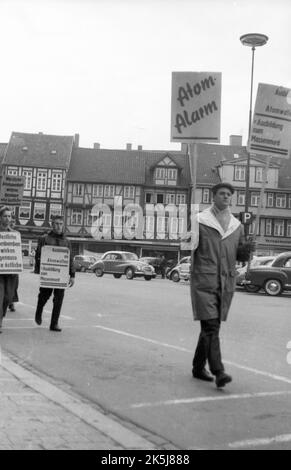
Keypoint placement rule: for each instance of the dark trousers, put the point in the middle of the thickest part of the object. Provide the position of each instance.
(8, 284)
(208, 347)
(43, 296)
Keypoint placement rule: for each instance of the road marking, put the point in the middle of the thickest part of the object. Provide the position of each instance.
(209, 399)
(46, 311)
(260, 441)
(279, 378)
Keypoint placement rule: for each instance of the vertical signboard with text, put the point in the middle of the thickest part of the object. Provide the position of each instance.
(12, 187)
(10, 253)
(54, 267)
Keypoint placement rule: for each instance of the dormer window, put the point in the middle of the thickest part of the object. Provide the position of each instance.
(166, 176)
(239, 173)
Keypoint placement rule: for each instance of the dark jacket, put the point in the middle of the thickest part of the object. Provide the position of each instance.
(213, 267)
(53, 239)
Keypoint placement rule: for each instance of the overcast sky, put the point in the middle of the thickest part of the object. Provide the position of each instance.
(102, 68)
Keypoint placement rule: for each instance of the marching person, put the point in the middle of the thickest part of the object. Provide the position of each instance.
(8, 282)
(221, 242)
(55, 237)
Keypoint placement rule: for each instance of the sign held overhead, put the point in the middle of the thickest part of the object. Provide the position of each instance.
(196, 106)
(271, 128)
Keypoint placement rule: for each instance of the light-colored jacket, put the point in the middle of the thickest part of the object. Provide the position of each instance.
(212, 280)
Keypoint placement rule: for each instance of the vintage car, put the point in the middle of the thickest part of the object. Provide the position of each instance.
(83, 263)
(181, 271)
(241, 271)
(274, 279)
(123, 262)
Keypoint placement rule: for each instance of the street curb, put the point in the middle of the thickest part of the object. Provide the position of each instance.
(107, 426)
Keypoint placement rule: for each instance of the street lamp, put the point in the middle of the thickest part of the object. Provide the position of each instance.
(252, 40)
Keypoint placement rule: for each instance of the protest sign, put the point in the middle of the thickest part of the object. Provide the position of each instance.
(10, 253)
(54, 267)
(11, 190)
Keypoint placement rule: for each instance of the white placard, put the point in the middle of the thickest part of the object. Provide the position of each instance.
(196, 106)
(10, 253)
(271, 128)
(12, 190)
(54, 267)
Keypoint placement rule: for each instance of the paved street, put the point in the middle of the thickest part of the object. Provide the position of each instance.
(126, 349)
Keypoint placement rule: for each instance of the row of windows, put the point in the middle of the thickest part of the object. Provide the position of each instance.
(166, 176)
(103, 190)
(278, 200)
(41, 179)
(165, 198)
(273, 228)
(39, 210)
(240, 173)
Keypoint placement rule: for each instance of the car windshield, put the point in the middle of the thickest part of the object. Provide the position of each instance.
(131, 256)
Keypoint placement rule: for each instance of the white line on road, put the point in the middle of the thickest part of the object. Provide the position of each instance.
(280, 378)
(211, 398)
(260, 441)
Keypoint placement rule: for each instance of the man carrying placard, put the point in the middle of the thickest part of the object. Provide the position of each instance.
(53, 270)
(10, 261)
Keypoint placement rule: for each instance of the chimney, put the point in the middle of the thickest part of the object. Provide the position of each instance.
(128, 146)
(235, 140)
(76, 140)
(96, 145)
(139, 147)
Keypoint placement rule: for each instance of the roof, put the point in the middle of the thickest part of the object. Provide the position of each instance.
(39, 150)
(107, 166)
(2, 151)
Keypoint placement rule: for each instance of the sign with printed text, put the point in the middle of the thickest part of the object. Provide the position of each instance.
(12, 190)
(10, 253)
(196, 106)
(271, 127)
(54, 267)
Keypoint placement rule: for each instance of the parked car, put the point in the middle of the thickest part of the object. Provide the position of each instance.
(123, 262)
(274, 279)
(155, 261)
(83, 263)
(181, 270)
(241, 271)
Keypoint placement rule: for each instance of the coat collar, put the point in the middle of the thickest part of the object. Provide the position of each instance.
(207, 218)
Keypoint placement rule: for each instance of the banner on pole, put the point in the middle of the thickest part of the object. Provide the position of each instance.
(271, 127)
(196, 106)
(10, 253)
(54, 267)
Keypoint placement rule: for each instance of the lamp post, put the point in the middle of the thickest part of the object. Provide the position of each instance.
(252, 40)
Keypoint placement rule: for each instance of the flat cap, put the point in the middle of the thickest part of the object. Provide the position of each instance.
(222, 185)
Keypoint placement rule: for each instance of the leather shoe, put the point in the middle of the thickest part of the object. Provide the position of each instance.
(38, 320)
(202, 375)
(222, 379)
(55, 328)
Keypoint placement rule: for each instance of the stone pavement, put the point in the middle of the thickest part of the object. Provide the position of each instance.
(35, 414)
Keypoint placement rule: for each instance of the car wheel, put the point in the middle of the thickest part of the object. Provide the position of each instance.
(251, 288)
(175, 277)
(117, 276)
(129, 273)
(98, 272)
(273, 287)
(148, 278)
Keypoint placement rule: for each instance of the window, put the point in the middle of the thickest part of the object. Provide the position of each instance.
(172, 174)
(108, 190)
(268, 227)
(288, 234)
(279, 228)
(56, 181)
(28, 178)
(77, 217)
(259, 174)
(241, 198)
(55, 209)
(239, 173)
(148, 198)
(12, 172)
(281, 200)
(170, 198)
(181, 198)
(255, 199)
(41, 180)
(39, 210)
(160, 199)
(166, 176)
(150, 223)
(270, 199)
(161, 224)
(289, 201)
(78, 189)
(97, 190)
(205, 195)
(25, 210)
(129, 192)
(252, 229)
(160, 173)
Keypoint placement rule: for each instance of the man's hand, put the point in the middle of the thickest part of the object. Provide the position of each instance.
(71, 282)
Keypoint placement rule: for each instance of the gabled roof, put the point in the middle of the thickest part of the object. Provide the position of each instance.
(39, 150)
(107, 166)
(2, 151)
(257, 159)
(153, 158)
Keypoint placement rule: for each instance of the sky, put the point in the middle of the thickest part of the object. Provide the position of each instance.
(103, 68)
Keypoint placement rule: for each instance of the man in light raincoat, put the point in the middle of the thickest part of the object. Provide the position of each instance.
(221, 243)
